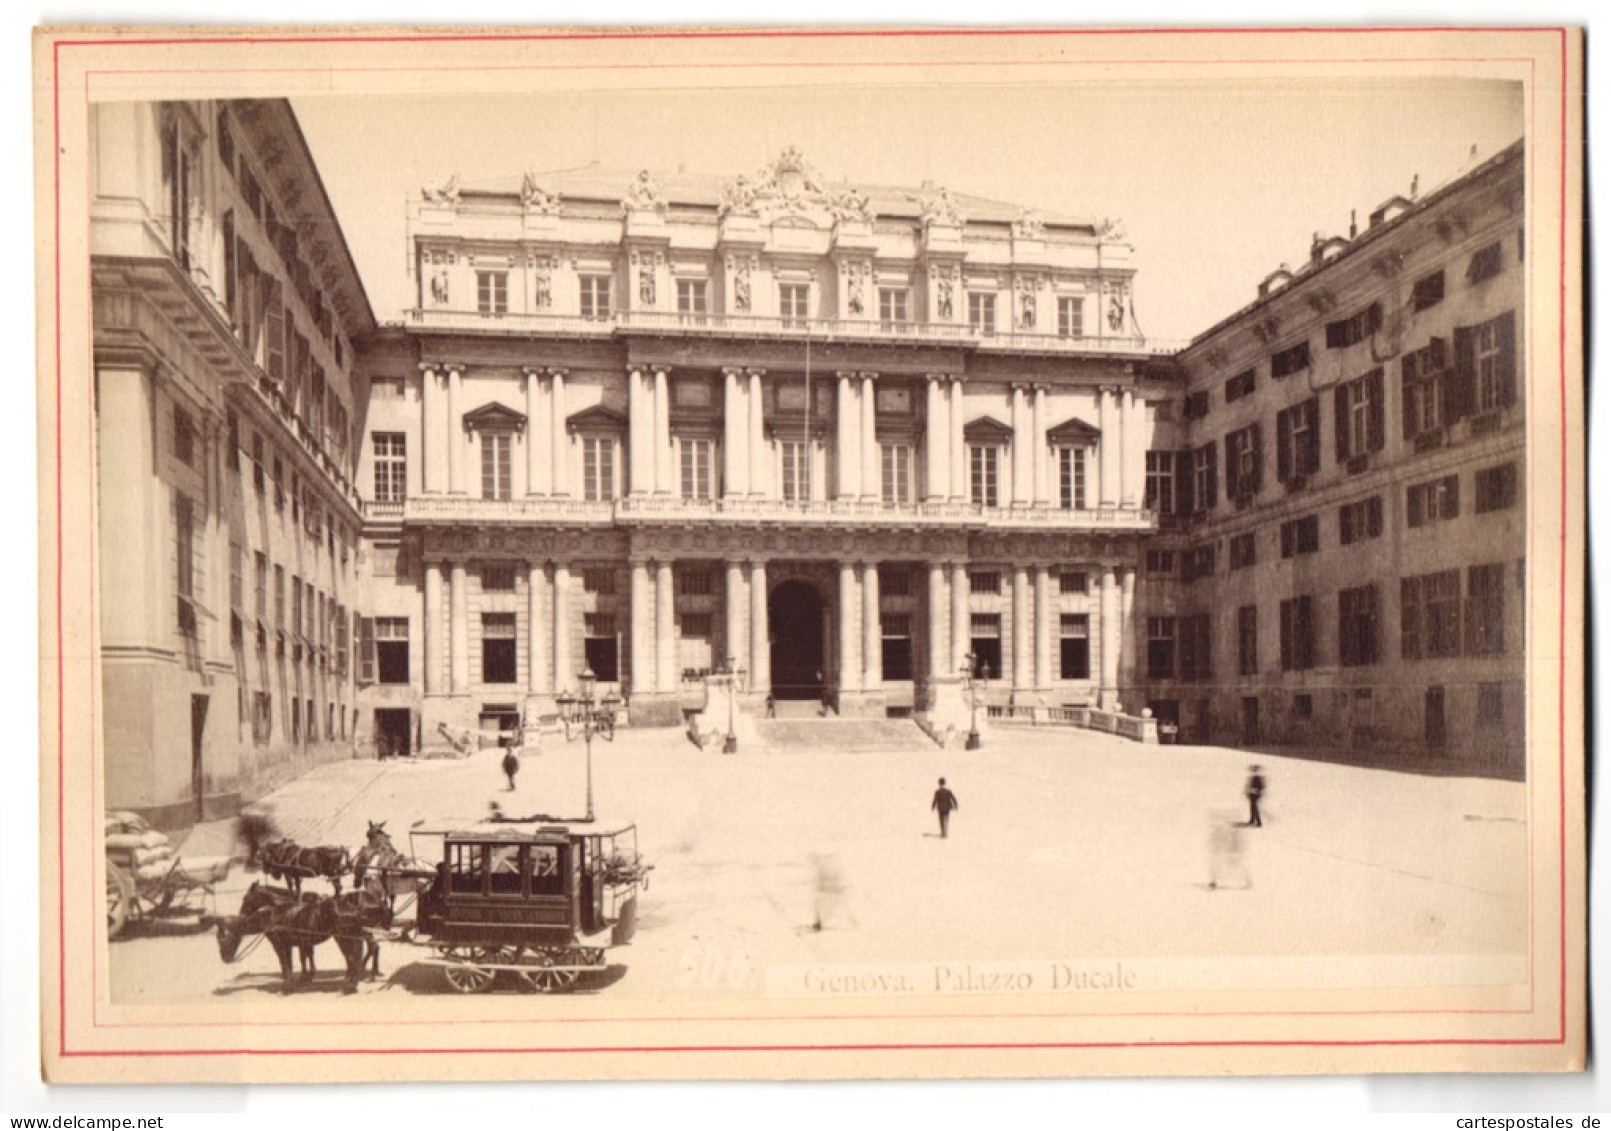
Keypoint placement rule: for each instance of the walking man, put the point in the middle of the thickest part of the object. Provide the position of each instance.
(511, 767)
(1254, 790)
(944, 802)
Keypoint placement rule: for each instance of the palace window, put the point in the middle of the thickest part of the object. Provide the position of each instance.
(897, 474)
(1199, 561)
(1160, 490)
(498, 648)
(984, 582)
(595, 297)
(1244, 462)
(795, 482)
(794, 303)
(1297, 440)
(391, 466)
(1161, 563)
(1427, 291)
(1161, 647)
(1291, 360)
(1074, 646)
(983, 474)
(1247, 640)
(1071, 317)
(1429, 616)
(895, 580)
(1359, 521)
(1436, 501)
(1492, 349)
(598, 468)
(897, 645)
(982, 312)
(1485, 610)
(1297, 634)
(892, 307)
(1244, 550)
(1300, 536)
(1361, 417)
(1485, 263)
(695, 651)
(1352, 330)
(185, 557)
(1239, 386)
(178, 176)
(184, 437)
(1496, 488)
(1073, 583)
(1196, 405)
(1205, 477)
(601, 647)
(1359, 618)
(1071, 478)
(695, 581)
(279, 598)
(697, 458)
(599, 581)
(985, 641)
(260, 586)
(1196, 648)
(497, 475)
(391, 649)
(497, 578)
(691, 301)
(1427, 406)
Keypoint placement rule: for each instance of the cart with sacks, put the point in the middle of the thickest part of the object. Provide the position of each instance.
(146, 876)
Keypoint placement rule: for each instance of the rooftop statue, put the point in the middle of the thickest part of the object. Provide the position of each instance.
(447, 194)
(644, 195)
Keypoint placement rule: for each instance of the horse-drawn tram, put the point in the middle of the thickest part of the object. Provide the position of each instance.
(539, 905)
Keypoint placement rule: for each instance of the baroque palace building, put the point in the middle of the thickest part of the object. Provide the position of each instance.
(892, 450)
(226, 309)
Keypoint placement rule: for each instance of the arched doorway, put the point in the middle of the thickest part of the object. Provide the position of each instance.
(794, 611)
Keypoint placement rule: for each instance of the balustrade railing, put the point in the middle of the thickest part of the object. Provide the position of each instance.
(1134, 727)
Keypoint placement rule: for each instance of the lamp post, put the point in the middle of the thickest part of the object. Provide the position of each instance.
(974, 684)
(584, 716)
(735, 683)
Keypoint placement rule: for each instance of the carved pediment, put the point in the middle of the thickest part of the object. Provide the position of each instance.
(596, 419)
(1073, 433)
(986, 430)
(494, 417)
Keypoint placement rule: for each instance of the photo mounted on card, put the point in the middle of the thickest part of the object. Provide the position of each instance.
(803, 554)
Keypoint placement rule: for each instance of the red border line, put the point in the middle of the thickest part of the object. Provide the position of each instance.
(64, 1052)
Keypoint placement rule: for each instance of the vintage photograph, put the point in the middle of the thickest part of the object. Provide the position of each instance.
(985, 543)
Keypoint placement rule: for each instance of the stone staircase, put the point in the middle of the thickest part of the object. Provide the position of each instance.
(832, 735)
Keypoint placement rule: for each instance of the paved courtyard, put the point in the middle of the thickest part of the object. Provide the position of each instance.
(1071, 845)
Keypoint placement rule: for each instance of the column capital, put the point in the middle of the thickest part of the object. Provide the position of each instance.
(868, 376)
(733, 371)
(754, 371)
(429, 367)
(557, 371)
(659, 368)
(845, 374)
(453, 366)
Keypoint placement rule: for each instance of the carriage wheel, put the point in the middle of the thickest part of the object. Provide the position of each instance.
(545, 980)
(463, 974)
(119, 899)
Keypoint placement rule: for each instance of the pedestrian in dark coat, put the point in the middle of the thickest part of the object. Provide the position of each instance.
(944, 802)
(1254, 791)
(511, 767)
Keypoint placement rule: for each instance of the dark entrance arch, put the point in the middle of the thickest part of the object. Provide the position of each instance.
(794, 612)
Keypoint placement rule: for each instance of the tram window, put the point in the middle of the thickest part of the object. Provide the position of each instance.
(465, 868)
(545, 874)
(504, 865)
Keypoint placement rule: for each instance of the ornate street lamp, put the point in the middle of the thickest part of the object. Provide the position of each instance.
(584, 716)
(731, 668)
(975, 685)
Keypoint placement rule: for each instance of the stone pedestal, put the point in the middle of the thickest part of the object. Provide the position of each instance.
(654, 709)
(861, 704)
(947, 709)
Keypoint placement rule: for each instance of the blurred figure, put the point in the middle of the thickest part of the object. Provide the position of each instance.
(829, 887)
(511, 767)
(944, 802)
(1254, 790)
(1226, 868)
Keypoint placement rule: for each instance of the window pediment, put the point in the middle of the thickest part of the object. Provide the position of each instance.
(494, 417)
(1073, 433)
(595, 420)
(986, 430)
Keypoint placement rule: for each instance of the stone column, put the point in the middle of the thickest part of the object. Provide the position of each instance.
(536, 662)
(847, 439)
(1127, 634)
(640, 433)
(737, 645)
(961, 618)
(433, 433)
(665, 478)
(642, 634)
(1023, 641)
(539, 468)
(872, 637)
(959, 445)
(455, 431)
(760, 463)
(1038, 454)
(1130, 460)
(735, 435)
(1109, 612)
(1108, 447)
(665, 629)
(560, 441)
(459, 629)
(936, 443)
(431, 630)
(871, 474)
(937, 619)
(1023, 449)
(760, 640)
(849, 616)
(562, 627)
(1043, 627)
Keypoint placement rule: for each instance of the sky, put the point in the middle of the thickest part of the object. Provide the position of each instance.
(1217, 184)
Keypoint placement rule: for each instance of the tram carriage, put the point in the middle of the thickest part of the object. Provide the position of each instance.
(539, 905)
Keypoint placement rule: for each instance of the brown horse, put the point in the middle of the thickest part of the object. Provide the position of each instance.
(303, 922)
(291, 862)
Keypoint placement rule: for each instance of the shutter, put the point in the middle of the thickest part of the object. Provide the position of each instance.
(1213, 478)
(1336, 335)
(1311, 410)
(1373, 516)
(1462, 379)
(1375, 387)
(1286, 635)
(1506, 331)
(1258, 458)
(1232, 486)
(1407, 402)
(1373, 318)
(1452, 484)
(1183, 483)
(1414, 497)
(1283, 443)
(366, 650)
(1341, 401)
